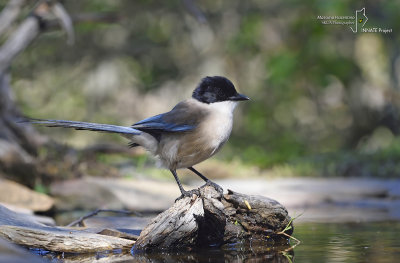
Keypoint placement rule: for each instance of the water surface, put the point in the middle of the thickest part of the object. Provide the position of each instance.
(352, 242)
(320, 242)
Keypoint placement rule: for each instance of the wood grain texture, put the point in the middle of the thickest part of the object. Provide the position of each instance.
(23, 230)
(62, 240)
(213, 219)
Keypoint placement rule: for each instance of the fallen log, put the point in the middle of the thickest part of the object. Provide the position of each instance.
(23, 230)
(63, 240)
(210, 219)
(214, 219)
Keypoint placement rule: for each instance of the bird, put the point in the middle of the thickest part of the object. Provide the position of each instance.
(193, 131)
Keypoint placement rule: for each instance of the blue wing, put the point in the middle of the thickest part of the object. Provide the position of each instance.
(159, 123)
(185, 116)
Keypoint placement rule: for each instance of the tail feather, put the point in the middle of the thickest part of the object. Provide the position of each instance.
(77, 125)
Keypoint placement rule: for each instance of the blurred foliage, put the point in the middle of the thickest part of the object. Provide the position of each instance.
(322, 96)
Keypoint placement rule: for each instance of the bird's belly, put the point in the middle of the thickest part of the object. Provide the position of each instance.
(188, 159)
(182, 151)
(189, 149)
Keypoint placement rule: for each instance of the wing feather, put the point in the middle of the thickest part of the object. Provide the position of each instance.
(185, 116)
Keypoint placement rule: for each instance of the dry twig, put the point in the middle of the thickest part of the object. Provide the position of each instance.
(94, 213)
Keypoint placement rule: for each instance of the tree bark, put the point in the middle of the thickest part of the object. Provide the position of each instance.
(18, 143)
(213, 219)
(9, 14)
(18, 41)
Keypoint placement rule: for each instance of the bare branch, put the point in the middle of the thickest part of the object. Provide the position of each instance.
(95, 212)
(10, 13)
(18, 41)
(30, 29)
(65, 21)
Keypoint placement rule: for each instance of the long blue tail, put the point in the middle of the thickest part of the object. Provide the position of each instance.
(78, 125)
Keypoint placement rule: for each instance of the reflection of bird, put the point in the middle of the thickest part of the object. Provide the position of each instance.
(193, 131)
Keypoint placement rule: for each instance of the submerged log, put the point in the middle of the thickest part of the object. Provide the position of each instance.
(214, 219)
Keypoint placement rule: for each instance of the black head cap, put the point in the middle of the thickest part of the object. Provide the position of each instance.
(216, 89)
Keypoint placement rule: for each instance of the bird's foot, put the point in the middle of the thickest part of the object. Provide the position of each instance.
(214, 185)
(188, 194)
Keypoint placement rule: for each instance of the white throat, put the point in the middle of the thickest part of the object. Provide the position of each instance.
(224, 107)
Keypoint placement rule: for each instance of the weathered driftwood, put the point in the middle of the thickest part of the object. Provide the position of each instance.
(22, 230)
(63, 240)
(216, 219)
(210, 219)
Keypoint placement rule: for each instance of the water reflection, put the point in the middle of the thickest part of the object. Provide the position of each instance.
(234, 253)
(241, 253)
(352, 243)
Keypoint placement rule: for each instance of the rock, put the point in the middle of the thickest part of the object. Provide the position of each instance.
(29, 213)
(21, 196)
(114, 193)
(141, 195)
(83, 194)
(11, 153)
(11, 218)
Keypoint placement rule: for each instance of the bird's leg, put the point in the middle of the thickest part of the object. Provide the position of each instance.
(184, 193)
(208, 181)
(199, 174)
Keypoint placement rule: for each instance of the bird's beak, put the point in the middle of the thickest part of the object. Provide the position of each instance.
(238, 97)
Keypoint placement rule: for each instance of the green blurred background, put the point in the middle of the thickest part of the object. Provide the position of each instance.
(324, 100)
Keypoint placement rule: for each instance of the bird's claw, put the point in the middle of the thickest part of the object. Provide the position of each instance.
(197, 191)
(214, 185)
(188, 194)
